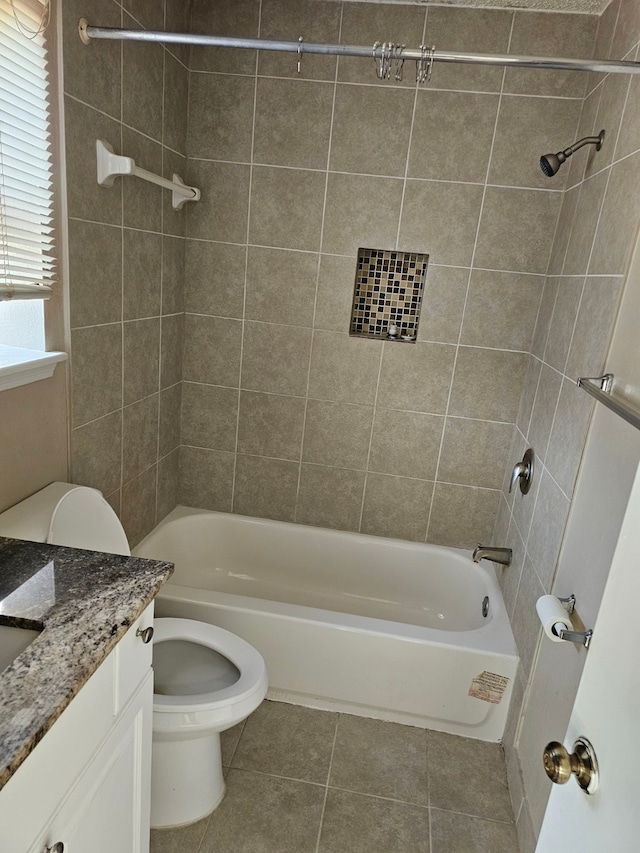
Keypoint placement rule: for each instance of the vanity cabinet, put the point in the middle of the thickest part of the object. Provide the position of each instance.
(86, 785)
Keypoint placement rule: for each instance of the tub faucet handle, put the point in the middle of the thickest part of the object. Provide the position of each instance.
(523, 472)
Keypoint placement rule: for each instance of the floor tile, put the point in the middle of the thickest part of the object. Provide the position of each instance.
(229, 741)
(264, 814)
(361, 824)
(457, 833)
(380, 758)
(287, 740)
(184, 840)
(468, 776)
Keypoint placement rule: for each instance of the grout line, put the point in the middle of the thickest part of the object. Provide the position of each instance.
(335, 738)
(373, 421)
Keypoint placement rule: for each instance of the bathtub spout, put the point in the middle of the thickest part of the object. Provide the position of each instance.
(496, 555)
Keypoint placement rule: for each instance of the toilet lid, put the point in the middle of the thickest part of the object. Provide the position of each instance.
(83, 519)
(250, 666)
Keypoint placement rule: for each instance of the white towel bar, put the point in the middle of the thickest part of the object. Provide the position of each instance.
(112, 165)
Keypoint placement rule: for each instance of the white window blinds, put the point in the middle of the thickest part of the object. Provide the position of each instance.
(27, 261)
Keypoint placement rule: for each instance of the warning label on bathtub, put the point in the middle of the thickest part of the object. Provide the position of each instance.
(489, 686)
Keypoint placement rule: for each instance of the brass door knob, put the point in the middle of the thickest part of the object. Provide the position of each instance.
(560, 765)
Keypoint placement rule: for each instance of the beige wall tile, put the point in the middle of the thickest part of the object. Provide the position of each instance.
(149, 13)
(568, 435)
(96, 382)
(138, 514)
(174, 221)
(94, 77)
(281, 286)
(452, 134)
(516, 230)
(212, 96)
(547, 528)
(240, 18)
(568, 35)
(141, 285)
(443, 304)
(266, 488)
(142, 78)
(337, 434)
(214, 278)
(501, 310)
(139, 436)
(95, 273)
(286, 208)
(222, 212)
(618, 221)
(462, 516)
(396, 506)
(168, 484)
(563, 230)
(86, 199)
(209, 416)
(96, 451)
(406, 443)
(525, 623)
(336, 280)
(487, 384)
(528, 128)
(610, 109)
(630, 126)
(169, 428)
(545, 312)
(585, 221)
(366, 24)
(343, 369)
(292, 123)
(473, 31)
(173, 252)
(287, 19)
(586, 156)
(141, 357)
(212, 350)
(594, 323)
(529, 390)
(563, 321)
(270, 425)
(275, 358)
(359, 113)
(441, 219)
(627, 30)
(474, 453)
(510, 577)
(176, 100)
(416, 377)
(142, 201)
(330, 497)
(349, 222)
(206, 478)
(543, 411)
(171, 350)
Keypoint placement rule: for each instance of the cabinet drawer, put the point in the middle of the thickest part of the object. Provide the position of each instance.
(132, 659)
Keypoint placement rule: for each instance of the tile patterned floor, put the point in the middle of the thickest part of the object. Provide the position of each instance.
(306, 781)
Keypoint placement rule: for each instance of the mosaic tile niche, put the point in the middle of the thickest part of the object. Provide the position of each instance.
(387, 295)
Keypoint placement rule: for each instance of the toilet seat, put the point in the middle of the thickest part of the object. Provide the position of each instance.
(196, 712)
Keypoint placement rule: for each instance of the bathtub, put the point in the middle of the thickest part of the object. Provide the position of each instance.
(376, 627)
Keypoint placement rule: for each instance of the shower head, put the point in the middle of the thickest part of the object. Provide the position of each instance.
(550, 163)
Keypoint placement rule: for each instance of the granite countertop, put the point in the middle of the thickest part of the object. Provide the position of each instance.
(84, 602)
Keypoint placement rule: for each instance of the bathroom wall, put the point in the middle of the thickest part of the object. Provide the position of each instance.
(283, 414)
(595, 235)
(126, 259)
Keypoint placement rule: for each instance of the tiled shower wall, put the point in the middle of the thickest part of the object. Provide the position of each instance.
(286, 416)
(595, 236)
(126, 259)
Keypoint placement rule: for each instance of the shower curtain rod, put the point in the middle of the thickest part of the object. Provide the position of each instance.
(87, 33)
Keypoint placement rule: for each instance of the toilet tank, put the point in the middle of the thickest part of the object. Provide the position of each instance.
(65, 514)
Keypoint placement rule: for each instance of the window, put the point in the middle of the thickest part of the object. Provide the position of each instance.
(27, 261)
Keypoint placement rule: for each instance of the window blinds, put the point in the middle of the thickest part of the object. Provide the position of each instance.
(27, 262)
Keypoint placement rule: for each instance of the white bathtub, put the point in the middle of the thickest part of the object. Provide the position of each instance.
(376, 627)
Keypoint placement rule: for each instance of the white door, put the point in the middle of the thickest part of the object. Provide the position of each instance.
(607, 713)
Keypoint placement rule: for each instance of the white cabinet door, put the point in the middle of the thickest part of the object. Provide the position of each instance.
(108, 809)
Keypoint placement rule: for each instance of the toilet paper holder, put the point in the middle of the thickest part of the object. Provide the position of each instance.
(583, 638)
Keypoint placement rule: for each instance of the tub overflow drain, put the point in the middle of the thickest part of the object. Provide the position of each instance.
(485, 606)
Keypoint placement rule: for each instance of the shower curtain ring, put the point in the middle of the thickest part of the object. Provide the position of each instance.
(376, 45)
(432, 54)
(300, 40)
(399, 60)
(420, 65)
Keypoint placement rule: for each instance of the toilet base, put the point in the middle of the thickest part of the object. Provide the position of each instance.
(186, 780)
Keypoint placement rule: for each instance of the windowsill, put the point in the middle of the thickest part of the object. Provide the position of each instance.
(21, 366)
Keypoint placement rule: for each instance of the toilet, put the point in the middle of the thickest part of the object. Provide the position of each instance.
(206, 679)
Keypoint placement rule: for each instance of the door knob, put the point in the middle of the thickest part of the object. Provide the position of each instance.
(559, 765)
